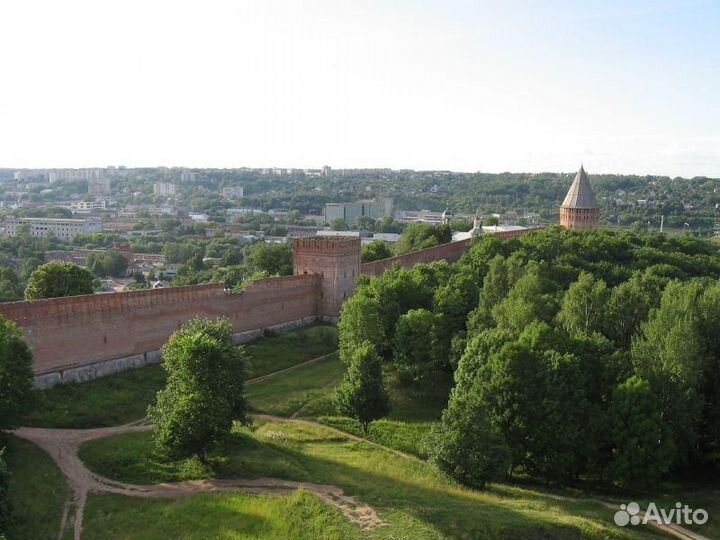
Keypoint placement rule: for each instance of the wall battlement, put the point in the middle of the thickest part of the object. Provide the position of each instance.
(92, 304)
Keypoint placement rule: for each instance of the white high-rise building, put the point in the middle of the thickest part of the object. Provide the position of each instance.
(164, 188)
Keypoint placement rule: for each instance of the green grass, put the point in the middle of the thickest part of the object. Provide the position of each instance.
(39, 492)
(306, 390)
(697, 489)
(411, 496)
(270, 354)
(406, 437)
(423, 402)
(300, 516)
(108, 401)
(124, 397)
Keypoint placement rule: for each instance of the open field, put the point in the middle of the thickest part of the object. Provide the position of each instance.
(124, 397)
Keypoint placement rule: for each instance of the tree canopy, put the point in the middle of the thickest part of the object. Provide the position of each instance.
(16, 376)
(57, 279)
(203, 394)
(555, 340)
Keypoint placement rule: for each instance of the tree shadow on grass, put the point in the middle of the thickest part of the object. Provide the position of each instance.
(450, 511)
(199, 516)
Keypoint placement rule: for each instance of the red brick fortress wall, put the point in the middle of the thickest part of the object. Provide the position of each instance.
(66, 332)
(450, 252)
(123, 329)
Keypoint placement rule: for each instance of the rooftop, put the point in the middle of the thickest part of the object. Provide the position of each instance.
(580, 194)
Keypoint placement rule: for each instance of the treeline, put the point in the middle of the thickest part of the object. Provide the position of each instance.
(587, 356)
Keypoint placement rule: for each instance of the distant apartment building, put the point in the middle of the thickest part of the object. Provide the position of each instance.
(421, 216)
(234, 212)
(233, 192)
(133, 210)
(188, 176)
(55, 175)
(350, 212)
(63, 229)
(164, 188)
(99, 186)
(88, 206)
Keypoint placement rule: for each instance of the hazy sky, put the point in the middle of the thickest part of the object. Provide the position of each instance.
(624, 86)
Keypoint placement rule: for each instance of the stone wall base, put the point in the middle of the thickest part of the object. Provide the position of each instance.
(103, 368)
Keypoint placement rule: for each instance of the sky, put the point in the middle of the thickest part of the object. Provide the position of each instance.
(525, 86)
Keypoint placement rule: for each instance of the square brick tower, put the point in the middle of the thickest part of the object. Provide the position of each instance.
(337, 261)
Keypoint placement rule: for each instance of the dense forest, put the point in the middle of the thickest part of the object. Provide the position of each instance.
(573, 356)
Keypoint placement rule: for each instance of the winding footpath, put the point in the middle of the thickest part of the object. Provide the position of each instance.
(63, 446)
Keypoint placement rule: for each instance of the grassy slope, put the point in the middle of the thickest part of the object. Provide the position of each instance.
(410, 495)
(39, 492)
(414, 410)
(300, 516)
(285, 350)
(124, 397)
(306, 390)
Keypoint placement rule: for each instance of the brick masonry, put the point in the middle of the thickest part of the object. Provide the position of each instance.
(83, 337)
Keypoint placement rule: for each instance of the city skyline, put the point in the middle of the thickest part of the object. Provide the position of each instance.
(460, 86)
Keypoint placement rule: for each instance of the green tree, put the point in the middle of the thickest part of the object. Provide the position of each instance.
(275, 259)
(115, 263)
(204, 390)
(529, 300)
(583, 306)
(338, 224)
(421, 235)
(6, 502)
(668, 353)
(466, 446)
(361, 394)
(642, 450)
(10, 289)
(29, 265)
(627, 307)
(360, 321)
(376, 251)
(16, 376)
(57, 279)
(365, 223)
(415, 352)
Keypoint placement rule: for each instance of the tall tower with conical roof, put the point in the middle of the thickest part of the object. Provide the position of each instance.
(579, 210)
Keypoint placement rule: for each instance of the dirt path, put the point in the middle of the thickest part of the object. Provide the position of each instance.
(63, 446)
(670, 529)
